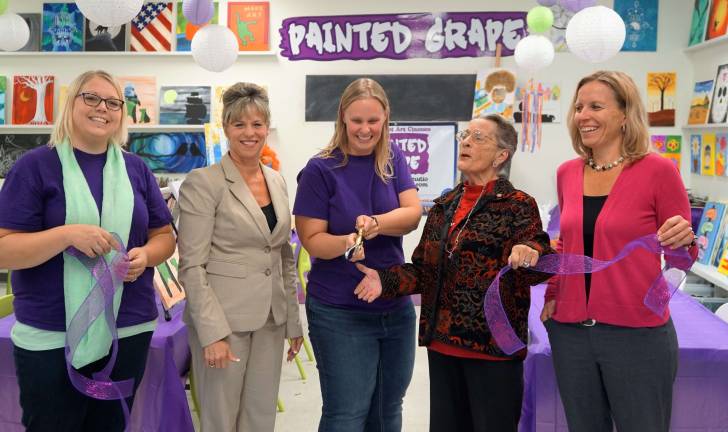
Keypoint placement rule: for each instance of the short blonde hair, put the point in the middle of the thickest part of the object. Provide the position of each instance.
(244, 98)
(64, 127)
(635, 135)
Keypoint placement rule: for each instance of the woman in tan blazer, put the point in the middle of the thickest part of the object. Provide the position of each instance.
(238, 269)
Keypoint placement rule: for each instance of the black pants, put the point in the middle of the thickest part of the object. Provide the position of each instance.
(474, 395)
(51, 403)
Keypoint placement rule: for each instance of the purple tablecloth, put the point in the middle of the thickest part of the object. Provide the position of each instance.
(700, 394)
(160, 404)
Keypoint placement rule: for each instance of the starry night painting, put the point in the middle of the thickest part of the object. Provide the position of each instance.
(12, 146)
(175, 152)
(640, 20)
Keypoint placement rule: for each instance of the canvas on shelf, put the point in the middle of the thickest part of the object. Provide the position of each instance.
(33, 99)
(102, 38)
(708, 230)
(184, 105)
(3, 97)
(719, 102)
(700, 103)
(62, 27)
(175, 152)
(699, 21)
(13, 146)
(185, 30)
(140, 98)
(717, 19)
(721, 154)
(250, 21)
(151, 29)
(696, 145)
(707, 155)
(640, 19)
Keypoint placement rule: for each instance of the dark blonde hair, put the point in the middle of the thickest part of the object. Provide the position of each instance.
(363, 88)
(244, 98)
(635, 135)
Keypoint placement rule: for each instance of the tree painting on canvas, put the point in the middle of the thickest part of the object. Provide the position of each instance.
(62, 27)
(661, 98)
(33, 99)
(140, 98)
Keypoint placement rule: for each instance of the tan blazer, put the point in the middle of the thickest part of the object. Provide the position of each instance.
(234, 269)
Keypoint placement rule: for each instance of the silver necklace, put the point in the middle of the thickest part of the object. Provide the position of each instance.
(467, 219)
(604, 167)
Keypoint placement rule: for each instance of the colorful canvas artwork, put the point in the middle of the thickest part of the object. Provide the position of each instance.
(3, 93)
(185, 30)
(719, 103)
(33, 99)
(62, 27)
(177, 152)
(557, 34)
(102, 38)
(721, 154)
(12, 146)
(151, 29)
(494, 93)
(700, 18)
(217, 105)
(640, 19)
(250, 21)
(62, 95)
(700, 103)
(717, 19)
(668, 146)
(707, 155)
(216, 143)
(661, 98)
(184, 105)
(34, 25)
(140, 98)
(696, 145)
(551, 109)
(708, 228)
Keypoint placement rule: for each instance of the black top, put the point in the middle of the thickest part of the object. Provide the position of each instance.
(592, 206)
(270, 216)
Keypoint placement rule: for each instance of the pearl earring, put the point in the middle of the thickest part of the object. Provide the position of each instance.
(624, 128)
(495, 165)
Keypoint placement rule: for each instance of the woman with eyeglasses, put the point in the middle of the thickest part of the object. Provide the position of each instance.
(77, 192)
(472, 232)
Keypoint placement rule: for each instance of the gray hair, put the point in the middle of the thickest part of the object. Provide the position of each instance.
(506, 139)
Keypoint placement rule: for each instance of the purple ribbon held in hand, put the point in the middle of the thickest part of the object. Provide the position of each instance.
(656, 299)
(109, 274)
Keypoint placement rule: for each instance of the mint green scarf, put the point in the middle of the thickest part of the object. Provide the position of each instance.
(116, 212)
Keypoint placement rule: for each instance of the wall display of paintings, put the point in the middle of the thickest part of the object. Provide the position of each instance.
(184, 105)
(640, 18)
(32, 99)
(668, 146)
(62, 27)
(494, 93)
(661, 98)
(707, 155)
(719, 103)
(151, 29)
(717, 19)
(34, 25)
(250, 21)
(708, 229)
(696, 145)
(12, 146)
(140, 98)
(551, 109)
(721, 154)
(3, 93)
(177, 152)
(700, 18)
(102, 38)
(700, 103)
(185, 30)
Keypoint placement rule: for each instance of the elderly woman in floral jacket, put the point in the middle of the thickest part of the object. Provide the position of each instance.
(470, 234)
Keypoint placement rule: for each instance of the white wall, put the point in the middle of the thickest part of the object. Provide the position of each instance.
(297, 140)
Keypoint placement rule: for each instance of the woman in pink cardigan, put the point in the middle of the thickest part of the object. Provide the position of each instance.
(615, 359)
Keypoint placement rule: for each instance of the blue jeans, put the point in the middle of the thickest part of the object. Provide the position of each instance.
(365, 362)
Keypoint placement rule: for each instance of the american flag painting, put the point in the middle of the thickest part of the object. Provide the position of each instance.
(151, 30)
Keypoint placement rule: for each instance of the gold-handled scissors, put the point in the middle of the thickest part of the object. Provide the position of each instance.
(358, 243)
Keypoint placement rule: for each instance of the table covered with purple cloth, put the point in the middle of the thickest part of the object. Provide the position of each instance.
(700, 397)
(161, 402)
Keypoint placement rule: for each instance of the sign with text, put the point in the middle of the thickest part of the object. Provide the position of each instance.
(402, 36)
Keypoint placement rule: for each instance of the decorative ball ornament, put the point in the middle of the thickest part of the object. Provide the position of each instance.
(547, 3)
(110, 13)
(534, 52)
(539, 19)
(198, 12)
(595, 34)
(3, 6)
(577, 5)
(14, 32)
(214, 48)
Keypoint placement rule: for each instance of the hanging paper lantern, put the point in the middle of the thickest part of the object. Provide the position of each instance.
(215, 48)
(14, 32)
(539, 19)
(110, 13)
(595, 34)
(534, 52)
(3, 6)
(198, 12)
(577, 5)
(547, 3)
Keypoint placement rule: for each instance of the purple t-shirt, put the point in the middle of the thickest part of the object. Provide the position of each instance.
(338, 194)
(33, 200)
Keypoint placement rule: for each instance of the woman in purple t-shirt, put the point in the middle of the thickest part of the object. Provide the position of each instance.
(365, 352)
(74, 193)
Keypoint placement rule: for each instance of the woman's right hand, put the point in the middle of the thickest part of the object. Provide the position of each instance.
(358, 253)
(549, 308)
(218, 354)
(91, 240)
(370, 288)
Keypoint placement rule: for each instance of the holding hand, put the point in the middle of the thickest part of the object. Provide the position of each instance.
(370, 288)
(354, 247)
(295, 347)
(675, 232)
(218, 354)
(548, 310)
(369, 224)
(137, 264)
(523, 256)
(91, 240)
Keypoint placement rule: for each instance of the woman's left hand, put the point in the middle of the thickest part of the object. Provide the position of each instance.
(296, 343)
(523, 256)
(675, 232)
(137, 264)
(369, 224)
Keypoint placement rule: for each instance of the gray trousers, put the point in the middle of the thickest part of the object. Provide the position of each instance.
(607, 373)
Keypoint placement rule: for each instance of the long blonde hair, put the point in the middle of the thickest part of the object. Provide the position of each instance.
(363, 88)
(635, 134)
(64, 127)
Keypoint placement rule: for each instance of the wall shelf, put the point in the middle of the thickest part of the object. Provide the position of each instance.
(120, 54)
(710, 274)
(705, 126)
(703, 45)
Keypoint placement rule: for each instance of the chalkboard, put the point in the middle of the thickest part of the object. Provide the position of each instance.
(412, 97)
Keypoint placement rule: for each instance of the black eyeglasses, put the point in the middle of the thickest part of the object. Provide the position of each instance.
(112, 104)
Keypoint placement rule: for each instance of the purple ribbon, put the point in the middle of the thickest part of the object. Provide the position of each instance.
(108, 273)
(656, 298)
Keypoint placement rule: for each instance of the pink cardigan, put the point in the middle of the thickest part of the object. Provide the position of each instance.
(646, 193)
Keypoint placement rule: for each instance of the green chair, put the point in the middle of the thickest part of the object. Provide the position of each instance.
(6, 305)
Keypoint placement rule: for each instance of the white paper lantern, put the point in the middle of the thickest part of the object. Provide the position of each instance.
(534, 52)
(214, 47)
(110, 13)
(595, 34)
(198, 12)
(14, 32)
